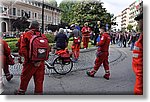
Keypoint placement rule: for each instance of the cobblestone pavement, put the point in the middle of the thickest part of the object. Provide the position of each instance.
(77, 82)
(86, 60)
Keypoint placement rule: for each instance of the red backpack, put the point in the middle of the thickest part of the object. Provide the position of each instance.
(39, 47)
(65, 55)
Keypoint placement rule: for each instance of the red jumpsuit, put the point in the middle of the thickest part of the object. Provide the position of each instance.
(29, 69)
(4, 53)
(137, 65)
(76, 48)
(102, 56)
(85, 36)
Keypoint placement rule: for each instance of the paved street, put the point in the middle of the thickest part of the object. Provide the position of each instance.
(77, 82)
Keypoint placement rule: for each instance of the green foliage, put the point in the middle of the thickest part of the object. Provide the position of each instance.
(12, 42)
(52, 2)
(12, 46)
(66, 6)
(50, 38)
(11, 39)
(84, 11)
(71, 39)
(129, 27)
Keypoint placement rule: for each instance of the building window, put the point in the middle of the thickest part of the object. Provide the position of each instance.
(32, 15)
(14, 11)
(18, 12)
(35, 15)
(39, 16)
(1, 9)
(5, 9)
(45, 17)
(22, 12)
(49, 18)
(29, 13)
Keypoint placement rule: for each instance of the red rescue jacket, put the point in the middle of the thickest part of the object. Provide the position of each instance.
(86, 31)
(104, 42)
(138, 51)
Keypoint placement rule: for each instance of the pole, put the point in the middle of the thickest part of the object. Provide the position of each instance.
(43, 17)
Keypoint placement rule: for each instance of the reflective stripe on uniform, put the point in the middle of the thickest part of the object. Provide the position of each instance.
(135, 55)
(136, 48)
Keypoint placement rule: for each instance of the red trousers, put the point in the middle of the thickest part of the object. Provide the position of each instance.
(4, 65)
(30, 70)
(138, 87)
(76, 50)
(85, 40)
(102, 57)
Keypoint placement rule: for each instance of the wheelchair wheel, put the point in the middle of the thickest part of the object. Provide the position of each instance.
(61, 67)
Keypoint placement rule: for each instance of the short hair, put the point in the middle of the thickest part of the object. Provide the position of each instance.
(61, 30)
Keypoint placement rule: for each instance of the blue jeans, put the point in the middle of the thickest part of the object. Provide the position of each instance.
(132, 45)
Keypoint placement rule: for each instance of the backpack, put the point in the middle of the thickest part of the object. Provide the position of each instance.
(65, 55)
(38, 48)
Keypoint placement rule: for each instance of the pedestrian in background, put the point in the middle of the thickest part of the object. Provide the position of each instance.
(61, 39)
(96, 31)
(124, 39)
(132, 40)
(120, 39)
(77, 36)
(137, 60)
(85, 35)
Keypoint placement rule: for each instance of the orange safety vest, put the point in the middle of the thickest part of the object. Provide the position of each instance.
(138, 52)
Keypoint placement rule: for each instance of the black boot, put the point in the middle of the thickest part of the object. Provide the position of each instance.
(9, 77)
(19, 92)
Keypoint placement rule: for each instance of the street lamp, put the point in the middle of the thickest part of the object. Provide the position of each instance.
(43, 17)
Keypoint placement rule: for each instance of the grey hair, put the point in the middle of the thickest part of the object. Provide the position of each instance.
(61, 30)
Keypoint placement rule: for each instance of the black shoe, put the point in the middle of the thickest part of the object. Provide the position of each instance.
(89, 74)
(9, 77)
(106, 77)
(17, 92)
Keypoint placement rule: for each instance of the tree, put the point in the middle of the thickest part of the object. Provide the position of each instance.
(52, 2)
(129, 27)
(66, 7)
(84, 11)
(90, 11)
(21, 23)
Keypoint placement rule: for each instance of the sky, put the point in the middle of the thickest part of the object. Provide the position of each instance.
(114, 6)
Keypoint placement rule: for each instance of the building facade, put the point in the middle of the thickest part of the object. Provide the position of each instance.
(117, 20)
(12, 9)
(124, 19)
(132, 14)
(127, 16)
(135, 9)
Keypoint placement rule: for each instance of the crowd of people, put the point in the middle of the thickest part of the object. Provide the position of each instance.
(124, 39)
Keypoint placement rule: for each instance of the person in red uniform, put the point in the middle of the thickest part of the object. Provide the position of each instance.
(76, 34)
(85, 35)
(4, 54)
(137, 60)
(30, 68)
(102, 54)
